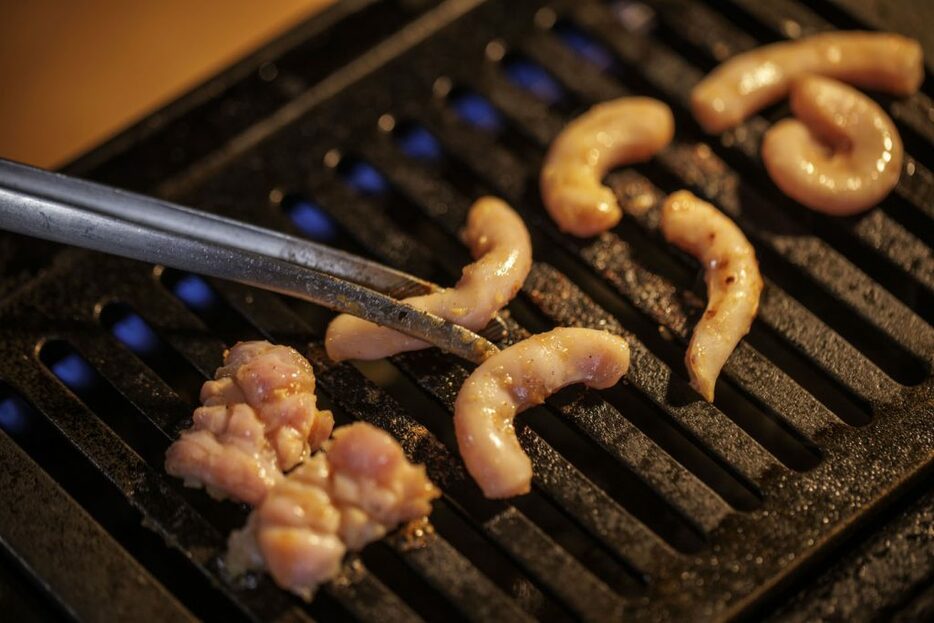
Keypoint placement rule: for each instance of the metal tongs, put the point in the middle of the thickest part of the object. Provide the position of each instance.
(65, 209)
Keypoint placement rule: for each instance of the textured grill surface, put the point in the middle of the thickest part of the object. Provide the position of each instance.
(647, 502)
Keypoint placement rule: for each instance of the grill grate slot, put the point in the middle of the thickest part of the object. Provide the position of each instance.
(647, 502)
(428, 193)
(135, 333)
(874, 231)
(30, 530)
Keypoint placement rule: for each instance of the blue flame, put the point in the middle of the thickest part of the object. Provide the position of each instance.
(418, 143)
(585, 46)
(312, 220)
(364, 178)
(476, 110)
(533, 78)
(194, 292)
(14, 414)
(74, 371)
(133, 331)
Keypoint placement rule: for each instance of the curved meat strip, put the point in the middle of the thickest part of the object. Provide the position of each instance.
(611, 134)
(842, 154)
(517, 378)
(351, 494)
(733, 283)
(259, 417)
(500, 243)
(751, 81)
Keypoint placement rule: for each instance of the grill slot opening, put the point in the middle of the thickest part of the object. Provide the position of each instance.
(310, 219)
(74, 371)
(439, 422)
(495, 564)
(362, 176)
(551, 519)
(743, 502)
(841, 402)
(467, 496)
(843, 235)
(461, 495)
(586, 46)
(446, 167)
(49, 447)
(910, 218)
(416, 141)
(477, 111)
(395, 206)
(781, 440)
(742, 19)
(408, 585)
(140, 433)
(536, 80)
(617, 480)
(390, 379)
(205, 302)
(135, 333)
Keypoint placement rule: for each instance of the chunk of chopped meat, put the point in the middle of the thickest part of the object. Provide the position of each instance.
(353, 493)
(226, 452)
(259, 417)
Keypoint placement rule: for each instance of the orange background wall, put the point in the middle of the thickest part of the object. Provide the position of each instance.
(74, 72)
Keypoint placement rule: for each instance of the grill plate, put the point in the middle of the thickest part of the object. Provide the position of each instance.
(648, 503)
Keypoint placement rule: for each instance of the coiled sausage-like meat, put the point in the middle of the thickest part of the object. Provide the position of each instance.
(840, 155)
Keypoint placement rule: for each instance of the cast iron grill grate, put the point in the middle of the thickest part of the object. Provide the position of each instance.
(647, 503)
